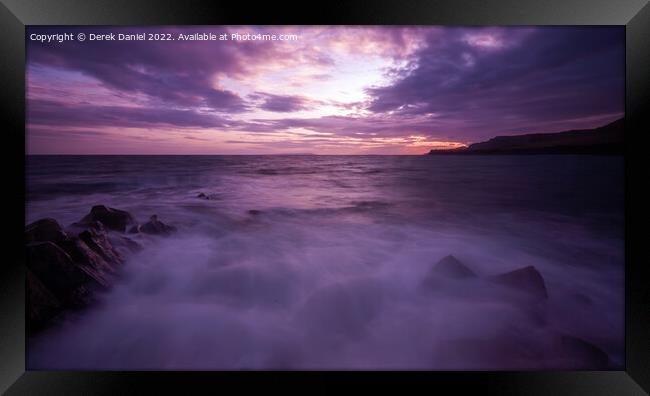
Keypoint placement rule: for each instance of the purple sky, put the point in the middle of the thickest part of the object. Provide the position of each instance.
(333, 90)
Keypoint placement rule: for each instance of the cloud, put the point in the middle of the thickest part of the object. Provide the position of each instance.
(373, 126)
(438, 83)
(388, 41)
(502, 79)
(281, 103)
(178, 74)
(43, 112)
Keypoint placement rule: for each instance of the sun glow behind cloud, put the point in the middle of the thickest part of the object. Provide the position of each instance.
(336, 90)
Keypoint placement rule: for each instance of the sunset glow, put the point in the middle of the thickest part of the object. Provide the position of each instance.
(334, 90)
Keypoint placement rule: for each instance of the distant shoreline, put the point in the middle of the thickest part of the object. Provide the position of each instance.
(223, 155)
(584, 150)
(445, 153)
(605, 140)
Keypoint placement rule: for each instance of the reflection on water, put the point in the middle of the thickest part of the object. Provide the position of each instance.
(318, 261)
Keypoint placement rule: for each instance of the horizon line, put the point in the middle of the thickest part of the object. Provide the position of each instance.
(210, 155)
(313, 154)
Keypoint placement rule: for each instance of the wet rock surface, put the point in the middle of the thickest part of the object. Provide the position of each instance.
(66, 267)
(111, 218)
(45, 230)
(156, 227)
(451, 267)
(447, 268)
(42, 305)
(97, 240)
(527, 280)
(524, 289)
(51, 263)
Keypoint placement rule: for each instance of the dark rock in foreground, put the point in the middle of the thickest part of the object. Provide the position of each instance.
(449, 266)
(97, 240)
(65, 268)
(42, 305)
(527, 280)
(90, 262)
(202, 196)
(45, 230)
(153, 226)
(111, 218)
(58, 274)
(124, 245)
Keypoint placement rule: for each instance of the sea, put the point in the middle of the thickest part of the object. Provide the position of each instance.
(318, 262)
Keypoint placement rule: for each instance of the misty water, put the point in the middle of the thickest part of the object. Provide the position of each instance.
(327, 270)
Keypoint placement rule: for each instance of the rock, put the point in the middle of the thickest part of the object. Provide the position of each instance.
(86, 259)
(156, 227)
(254, 212)
(65, 267)
(97, 240)
(58, 273)
(120, 241)
(202, 196)
(45, 230)
(97, 226)
(111, 218)
(90, 262)
(42, 305)
(123, 245)
(527, 280)
(450, 267)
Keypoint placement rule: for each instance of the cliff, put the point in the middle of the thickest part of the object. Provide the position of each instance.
(607, 139)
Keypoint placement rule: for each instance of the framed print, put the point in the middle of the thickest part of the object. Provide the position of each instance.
(433, 192)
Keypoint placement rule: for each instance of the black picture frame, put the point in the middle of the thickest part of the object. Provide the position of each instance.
(16, 14)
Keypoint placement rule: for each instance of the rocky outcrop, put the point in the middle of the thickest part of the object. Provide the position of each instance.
(42, 305)
(64, 271)
(526, 280)
(90, 262)
(111, 218)
(66, 267)
(525, 291)
(124, 245)
(450, 267)
(154, 227)
(157, 227)
(58, 273)
(607, 139)
(45, 230)
(97, 240)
